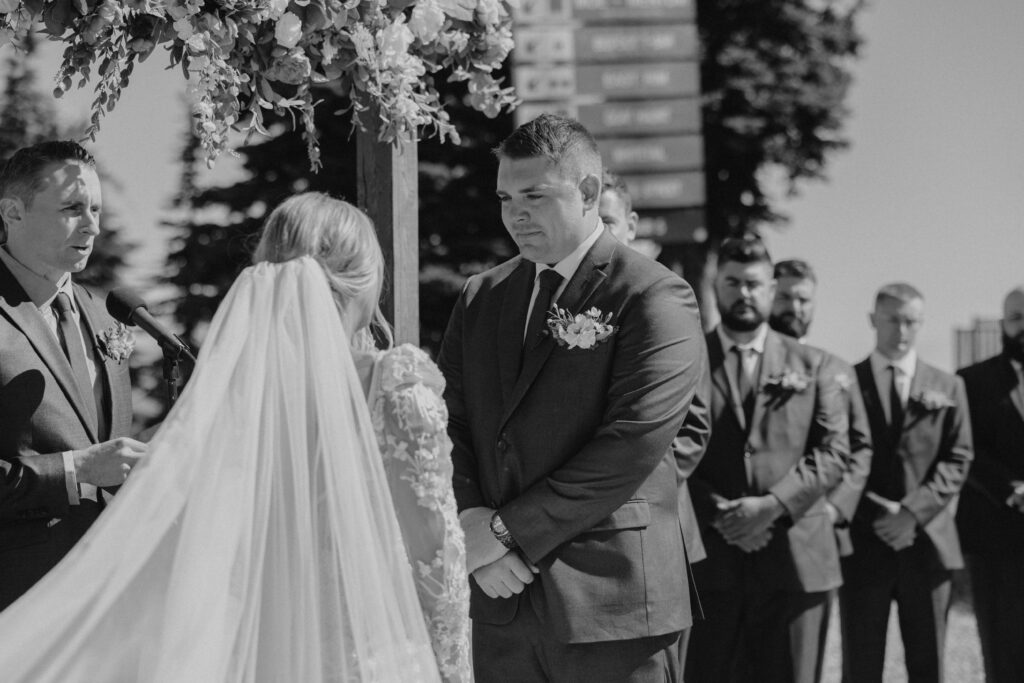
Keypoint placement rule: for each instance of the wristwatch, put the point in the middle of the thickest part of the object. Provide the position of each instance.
(502, 533)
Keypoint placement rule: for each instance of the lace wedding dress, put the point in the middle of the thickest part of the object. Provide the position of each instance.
(259, 540)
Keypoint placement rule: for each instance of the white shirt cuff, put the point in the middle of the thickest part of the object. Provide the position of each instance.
(71, 478)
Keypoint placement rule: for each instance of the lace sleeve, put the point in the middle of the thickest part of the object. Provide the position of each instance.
(410, 419)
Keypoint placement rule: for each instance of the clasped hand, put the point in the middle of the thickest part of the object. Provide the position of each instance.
(507, 576)
(896, 526)
(747, 522)
(108, 463)
(1016, 499)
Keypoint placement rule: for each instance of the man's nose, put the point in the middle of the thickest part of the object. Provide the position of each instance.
(90, 223)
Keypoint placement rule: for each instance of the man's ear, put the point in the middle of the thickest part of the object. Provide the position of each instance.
(11, 209)
(633, 221)
(871, 319)
(590, 188)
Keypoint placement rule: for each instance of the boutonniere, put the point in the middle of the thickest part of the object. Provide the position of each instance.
(844, 381)
(788, 382)
(584, 330)
(116, 342)
(931, 400)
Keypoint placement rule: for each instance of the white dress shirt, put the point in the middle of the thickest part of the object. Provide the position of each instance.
(567, 267)
(751, 352)
(905, 368)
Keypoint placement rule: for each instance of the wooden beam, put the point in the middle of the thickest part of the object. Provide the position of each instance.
(388, 191)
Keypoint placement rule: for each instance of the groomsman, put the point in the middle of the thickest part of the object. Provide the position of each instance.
(792, 315)
(991, 514)
(904, 535)
(778, 444)
(63, 401)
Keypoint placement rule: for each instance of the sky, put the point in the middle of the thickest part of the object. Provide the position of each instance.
(931, 191)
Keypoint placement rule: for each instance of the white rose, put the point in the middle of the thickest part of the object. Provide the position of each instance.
(426, 21)
(288, 30)
(278, 7)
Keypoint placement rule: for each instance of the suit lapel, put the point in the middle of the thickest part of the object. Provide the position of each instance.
(24, 315)
(872, 403)
(574, 297)
(773, 363)
(119, 403)
(720, 378)
(1010, 379)
(511, 324)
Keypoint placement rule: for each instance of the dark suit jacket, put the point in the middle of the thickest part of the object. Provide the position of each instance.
(988, 526)
(574, 448)
(689, 447)
(924, 472)
(41, 415)
(797, 449)
(847, 493)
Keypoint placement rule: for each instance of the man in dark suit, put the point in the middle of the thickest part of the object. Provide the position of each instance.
(792, 315)
(569, 371)
(904, 536)
(64, 400)
(991, 514)
(778, 444)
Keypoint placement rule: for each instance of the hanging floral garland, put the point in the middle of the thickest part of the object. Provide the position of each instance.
(245, 57)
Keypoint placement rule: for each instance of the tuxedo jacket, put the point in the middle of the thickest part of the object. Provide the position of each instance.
(572, 446)
(41, 415)
(923, 470)
(796, 448)
(987, 525)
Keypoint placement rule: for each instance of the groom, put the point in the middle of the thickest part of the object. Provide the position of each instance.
(564, 476)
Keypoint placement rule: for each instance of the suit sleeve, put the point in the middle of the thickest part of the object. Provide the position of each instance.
(826, 456)
(465, 478)
(949, 471)
(692, 441)
(30, 483)
(655, 372)
(989, 476)
(847, 493)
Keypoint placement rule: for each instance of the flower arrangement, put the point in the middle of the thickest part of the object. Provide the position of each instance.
(245, 57)
(583, 330)
(116, 342)
(931, 400)
(787, 382)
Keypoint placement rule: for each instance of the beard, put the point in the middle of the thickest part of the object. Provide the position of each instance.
(1014, 346)
(742, 317)
(789, 325)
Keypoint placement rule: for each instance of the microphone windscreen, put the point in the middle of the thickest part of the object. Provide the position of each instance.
(121, 304)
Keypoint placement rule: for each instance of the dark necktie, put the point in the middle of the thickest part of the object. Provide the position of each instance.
(72, 336)
(895, 407)
(746, 388)
(548, 282)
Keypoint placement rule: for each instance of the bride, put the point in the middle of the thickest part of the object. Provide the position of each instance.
(294, 520)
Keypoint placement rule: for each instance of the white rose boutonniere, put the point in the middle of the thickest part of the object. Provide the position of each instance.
(931, 400)
(583, 331)
(787, 382)
(116, 342)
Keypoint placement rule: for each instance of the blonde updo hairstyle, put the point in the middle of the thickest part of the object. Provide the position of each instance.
(342, 239)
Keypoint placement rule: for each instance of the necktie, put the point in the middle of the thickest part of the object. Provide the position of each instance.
(72, 337)
(745, 386)
(895, 406)
(548, 284)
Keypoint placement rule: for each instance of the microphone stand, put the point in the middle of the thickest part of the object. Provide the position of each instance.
(172, 366)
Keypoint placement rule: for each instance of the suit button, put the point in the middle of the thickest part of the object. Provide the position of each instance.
(502, 445)
(748, 452)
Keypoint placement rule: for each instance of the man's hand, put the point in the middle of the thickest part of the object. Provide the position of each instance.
(1016, 499)
(108, 463)
(833, 513)
(747, 522)
(481, 545)
(505, 577)
(897, 529)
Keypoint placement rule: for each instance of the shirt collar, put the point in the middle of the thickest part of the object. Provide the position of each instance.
(568, 266)
(40, 291)
(906, 365)
(755, 344)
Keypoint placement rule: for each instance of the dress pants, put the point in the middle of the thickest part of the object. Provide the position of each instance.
(750, 635)
(998, 587)
(922, 595)
(524, 651)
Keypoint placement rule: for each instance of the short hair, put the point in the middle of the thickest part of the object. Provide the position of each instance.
(898, 291)
(797, 268)
(558, 138)
(337, 235)
(22, 175)
(746, 249)
(613, 182)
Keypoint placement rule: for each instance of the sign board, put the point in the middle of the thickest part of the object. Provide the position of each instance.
(563, 43)
(643, 11)
(673, 226)
(670, 153)
(665, 190)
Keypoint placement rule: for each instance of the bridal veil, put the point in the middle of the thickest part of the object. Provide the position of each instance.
(257, 541)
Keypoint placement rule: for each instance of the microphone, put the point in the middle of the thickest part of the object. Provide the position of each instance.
(128, 307)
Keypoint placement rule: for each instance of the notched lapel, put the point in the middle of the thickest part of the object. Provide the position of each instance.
(719, 377)
(511, 323)
(1011, 381)
(112, 394)
(773, 363)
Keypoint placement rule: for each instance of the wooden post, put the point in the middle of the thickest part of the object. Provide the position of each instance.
(388, 190)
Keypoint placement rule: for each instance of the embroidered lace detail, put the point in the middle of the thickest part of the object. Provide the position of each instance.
(410, 420)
